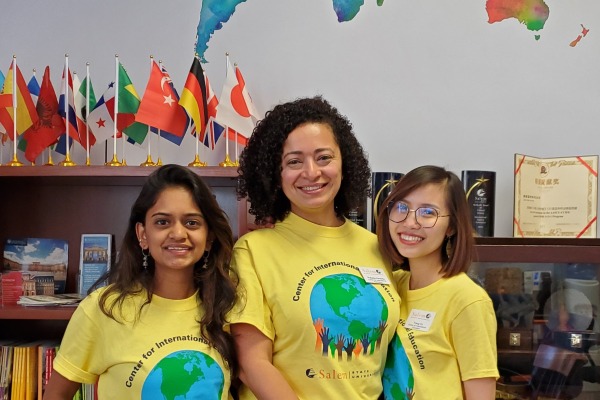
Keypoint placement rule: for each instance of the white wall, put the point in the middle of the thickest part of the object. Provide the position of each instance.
(423, 82)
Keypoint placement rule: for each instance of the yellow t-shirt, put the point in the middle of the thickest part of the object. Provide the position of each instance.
(302, 288)
(446, 335)
(162, 352)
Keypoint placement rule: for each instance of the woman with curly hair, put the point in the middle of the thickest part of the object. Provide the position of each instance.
(159, 325)
(317, 309)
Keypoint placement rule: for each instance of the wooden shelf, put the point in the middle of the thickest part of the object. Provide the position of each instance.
(106, 171)
(537, 250)
(36, 313)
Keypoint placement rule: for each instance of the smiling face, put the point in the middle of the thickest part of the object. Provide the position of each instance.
(174, 231)
(311, 173)
(412, 240)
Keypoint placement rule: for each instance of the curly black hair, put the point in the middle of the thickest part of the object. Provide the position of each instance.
(260, 162)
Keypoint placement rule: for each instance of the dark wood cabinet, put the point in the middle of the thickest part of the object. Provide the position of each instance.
(546, 294)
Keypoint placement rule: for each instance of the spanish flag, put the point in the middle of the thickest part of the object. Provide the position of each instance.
(26, 114)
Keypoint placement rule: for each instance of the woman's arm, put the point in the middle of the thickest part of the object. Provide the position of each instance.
(479, 389)
(60, 388)
(255, 357)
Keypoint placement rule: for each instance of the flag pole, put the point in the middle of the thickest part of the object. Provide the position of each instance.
(15, 161)
(237, 164)
(197, 161)
(87, 113)
(67, 162)
(227, 161)
(149, 162)
(159, 160)
(115, 161)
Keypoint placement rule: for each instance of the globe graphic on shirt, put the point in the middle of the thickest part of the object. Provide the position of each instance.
(349, 315)
(184, 375)
(398, 379)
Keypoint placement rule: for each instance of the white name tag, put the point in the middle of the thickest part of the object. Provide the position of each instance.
(420, 320)
(374, 275)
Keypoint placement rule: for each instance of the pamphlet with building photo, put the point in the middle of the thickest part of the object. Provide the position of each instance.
(33, 266)
(95, 259)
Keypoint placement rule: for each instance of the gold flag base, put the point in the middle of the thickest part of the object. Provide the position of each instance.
(88, 162)
(159, 162)
(50, 162)
(148, 162)
(114, 162)
(227, 162)
(197, 162)
(14, 162)
(67, 162)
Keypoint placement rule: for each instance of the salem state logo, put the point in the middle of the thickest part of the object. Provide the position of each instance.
(310, 373)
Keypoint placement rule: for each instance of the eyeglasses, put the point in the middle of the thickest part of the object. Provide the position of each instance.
(425, 216)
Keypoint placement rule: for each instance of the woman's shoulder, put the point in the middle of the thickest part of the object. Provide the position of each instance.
(466, 289)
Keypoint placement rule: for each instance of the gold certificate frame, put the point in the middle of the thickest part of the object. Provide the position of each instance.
(555, 197)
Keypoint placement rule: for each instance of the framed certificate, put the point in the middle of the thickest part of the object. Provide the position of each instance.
(555, 197)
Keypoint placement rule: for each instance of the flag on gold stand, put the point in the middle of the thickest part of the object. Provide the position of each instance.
(159, 107)
(26, 114)
(49, 126)
(193, 97)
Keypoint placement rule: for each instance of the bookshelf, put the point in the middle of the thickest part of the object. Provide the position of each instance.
(65, 202)
(542, 274)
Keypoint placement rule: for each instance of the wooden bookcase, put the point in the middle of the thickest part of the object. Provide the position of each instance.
(65, 202)
(530, 342)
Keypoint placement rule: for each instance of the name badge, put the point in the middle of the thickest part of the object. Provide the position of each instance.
(420, 320)
(374, 275)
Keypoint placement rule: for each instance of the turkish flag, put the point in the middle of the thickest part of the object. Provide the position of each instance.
(160, 105)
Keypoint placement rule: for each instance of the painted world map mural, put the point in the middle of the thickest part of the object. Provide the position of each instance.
(532, 14)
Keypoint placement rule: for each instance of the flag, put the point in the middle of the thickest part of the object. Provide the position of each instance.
(235, 108)
(34, 88)
(129, 103)
(234, 135)
(26, 114)
(49, 126)
(67, 111)
(159, 107)
(212, 101)
(176, 140)
(214, 132)
(102, 120)
(1, 81)
(80, 103)
(193, 97)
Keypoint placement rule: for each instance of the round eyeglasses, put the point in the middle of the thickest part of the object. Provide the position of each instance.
(425, 216)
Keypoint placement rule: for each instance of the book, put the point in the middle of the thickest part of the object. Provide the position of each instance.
(46, 353)
(33, 266)
(94, 259)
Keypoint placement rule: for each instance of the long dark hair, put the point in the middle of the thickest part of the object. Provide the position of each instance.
(216, 284)
(260, 161)
(461, 243)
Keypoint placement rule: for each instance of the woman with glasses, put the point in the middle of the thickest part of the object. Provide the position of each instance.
(445, 346)
(318, 306)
